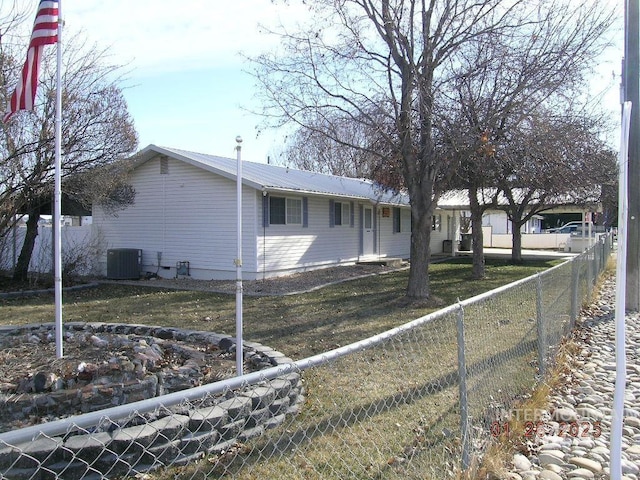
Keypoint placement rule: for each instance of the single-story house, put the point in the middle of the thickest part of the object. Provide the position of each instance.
(184, 219)
(499, 223)
(497, 219)
(498, 229)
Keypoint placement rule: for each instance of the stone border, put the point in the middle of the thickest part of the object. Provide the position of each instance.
(172, 436)
(33, 293)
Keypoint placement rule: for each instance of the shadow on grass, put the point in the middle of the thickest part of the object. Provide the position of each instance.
(437, 434)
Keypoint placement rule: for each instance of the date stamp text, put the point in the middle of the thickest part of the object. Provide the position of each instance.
(540, 428)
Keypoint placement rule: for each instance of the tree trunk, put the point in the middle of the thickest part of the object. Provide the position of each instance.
(477, 239)
(418, 285)
(516, 248)
(21, 271)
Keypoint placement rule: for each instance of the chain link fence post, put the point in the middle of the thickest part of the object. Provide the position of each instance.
(589, 257)
(594, 267)
(542, 335)
(575, 290)
(597, 255)
(462, 385)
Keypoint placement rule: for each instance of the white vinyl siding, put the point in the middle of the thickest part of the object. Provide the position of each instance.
(289, 248)
(390, 242)
(186, 214)
(440, 234)
(397, 244)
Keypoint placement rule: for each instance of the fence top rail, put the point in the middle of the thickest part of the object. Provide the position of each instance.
(90, 419)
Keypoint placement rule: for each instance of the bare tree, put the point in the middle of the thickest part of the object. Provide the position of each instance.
(553, 160)
(385, 64)
(504, 83)
(392, 58)
(314, 150)
(96, 130)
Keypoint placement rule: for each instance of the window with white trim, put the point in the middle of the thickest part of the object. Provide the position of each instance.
(294, 211)
(342, 213)
(285, 211)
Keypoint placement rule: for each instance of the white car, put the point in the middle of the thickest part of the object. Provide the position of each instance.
(566, 228)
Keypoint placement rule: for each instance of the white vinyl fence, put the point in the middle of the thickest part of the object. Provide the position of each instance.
(81, 247)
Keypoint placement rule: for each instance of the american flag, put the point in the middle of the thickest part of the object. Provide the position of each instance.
(45, 32)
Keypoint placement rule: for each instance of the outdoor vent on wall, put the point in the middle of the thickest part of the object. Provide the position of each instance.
(164, 165)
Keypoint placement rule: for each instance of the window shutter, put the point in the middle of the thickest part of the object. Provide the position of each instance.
(375, 229)
(265, 210)
(305, 212)
(361, 236)
(332, 213)
(352, 215)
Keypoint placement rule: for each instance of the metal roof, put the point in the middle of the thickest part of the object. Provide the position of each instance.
(459, 199)
(272, 178)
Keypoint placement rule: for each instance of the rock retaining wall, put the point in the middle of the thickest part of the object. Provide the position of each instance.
(169, 436)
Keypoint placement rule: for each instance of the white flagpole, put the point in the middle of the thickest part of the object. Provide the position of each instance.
(617, 412)
(238, 263)
(57, 194)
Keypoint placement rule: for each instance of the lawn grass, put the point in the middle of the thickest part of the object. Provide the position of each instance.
(391, 411)
(299, 325)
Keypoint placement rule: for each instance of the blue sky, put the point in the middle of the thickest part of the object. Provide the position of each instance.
(187, 86)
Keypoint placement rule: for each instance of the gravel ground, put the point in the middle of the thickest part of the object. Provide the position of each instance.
(286, 285)
(572, 439)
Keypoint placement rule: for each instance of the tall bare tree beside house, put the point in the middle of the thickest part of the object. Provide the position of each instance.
(96, 130)
(385, 64)
(311, 149)
(553, 160)
(528, 77)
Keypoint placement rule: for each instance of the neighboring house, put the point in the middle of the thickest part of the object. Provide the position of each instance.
(496, 219)
(498, 229)
(292, 220)
(500, 223)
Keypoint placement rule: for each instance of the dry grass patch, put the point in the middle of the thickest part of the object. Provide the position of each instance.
(298, 325)
(496, 462)
(391, 411)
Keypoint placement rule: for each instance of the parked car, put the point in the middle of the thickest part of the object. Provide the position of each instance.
(595, 229)
(575, 228)
(566, 228)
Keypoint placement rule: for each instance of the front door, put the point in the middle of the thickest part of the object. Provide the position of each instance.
(368, 232)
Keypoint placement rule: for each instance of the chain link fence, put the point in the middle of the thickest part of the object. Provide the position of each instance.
(415, 402)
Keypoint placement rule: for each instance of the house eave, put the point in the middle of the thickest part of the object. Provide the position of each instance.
(267, 189)
(360, 190)
(152, 151)
(372, 201)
